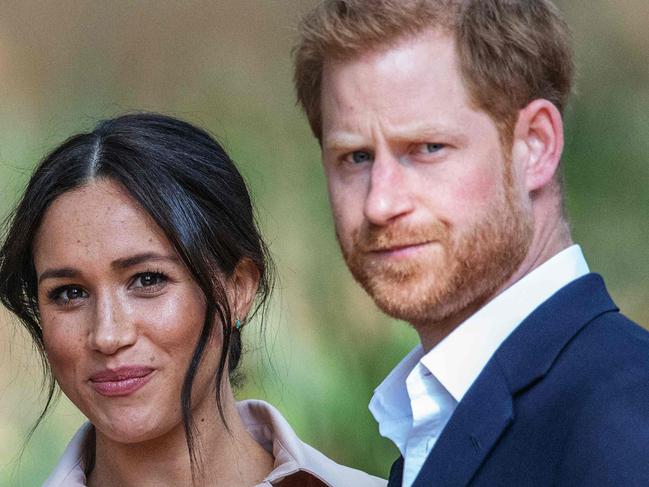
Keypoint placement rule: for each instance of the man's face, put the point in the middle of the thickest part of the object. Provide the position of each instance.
(429, 211)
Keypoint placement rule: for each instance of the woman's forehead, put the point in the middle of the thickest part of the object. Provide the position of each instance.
(97, 222)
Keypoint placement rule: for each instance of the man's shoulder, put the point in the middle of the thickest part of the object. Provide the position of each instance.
(609, 352)
(586, 420)
(606, 397)
(580, 326)
(608, 365)
(580, 356)
(609, 348)
(618, 331)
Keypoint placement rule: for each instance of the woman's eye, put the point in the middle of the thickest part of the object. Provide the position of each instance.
(66, 294)
(359, 157)
(149, 280)
(429, 148)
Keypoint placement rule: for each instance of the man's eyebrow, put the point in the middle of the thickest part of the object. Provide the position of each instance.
(342, 140)
(64, 272)
(425, 132)
(134, 260)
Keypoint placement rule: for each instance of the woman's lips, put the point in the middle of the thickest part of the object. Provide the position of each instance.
(121, 381)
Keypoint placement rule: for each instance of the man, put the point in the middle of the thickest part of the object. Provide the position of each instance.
(440, 123)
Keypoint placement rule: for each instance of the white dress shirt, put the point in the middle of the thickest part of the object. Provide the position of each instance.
(296, 463)
(416, 400)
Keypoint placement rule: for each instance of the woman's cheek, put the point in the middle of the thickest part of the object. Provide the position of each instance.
(175, 320)
(64, 344)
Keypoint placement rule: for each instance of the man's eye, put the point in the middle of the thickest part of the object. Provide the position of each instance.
(148, 280)
(359, 157)
(429, 148)
(66, 294)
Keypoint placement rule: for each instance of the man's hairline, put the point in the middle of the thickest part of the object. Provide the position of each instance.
(378, 48)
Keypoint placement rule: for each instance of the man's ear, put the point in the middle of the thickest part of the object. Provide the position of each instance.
(538, 143)
(242, 287)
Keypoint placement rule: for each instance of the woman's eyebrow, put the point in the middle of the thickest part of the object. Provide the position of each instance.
(124, 263)
(134, 260)
(64, 272)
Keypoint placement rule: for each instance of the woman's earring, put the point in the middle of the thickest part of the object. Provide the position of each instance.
(238, 324)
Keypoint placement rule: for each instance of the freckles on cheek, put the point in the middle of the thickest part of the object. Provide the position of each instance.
(63, 349)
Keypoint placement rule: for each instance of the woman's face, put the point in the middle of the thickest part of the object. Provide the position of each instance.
(120, 313)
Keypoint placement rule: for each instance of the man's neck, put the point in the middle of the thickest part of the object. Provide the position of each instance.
(546, 244)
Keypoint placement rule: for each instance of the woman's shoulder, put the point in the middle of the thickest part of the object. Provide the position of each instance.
(292, 456)
(70, 470)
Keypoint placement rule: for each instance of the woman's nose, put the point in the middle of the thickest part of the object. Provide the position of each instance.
(112, 328)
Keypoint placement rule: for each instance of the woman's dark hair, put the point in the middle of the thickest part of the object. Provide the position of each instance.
(190, 187)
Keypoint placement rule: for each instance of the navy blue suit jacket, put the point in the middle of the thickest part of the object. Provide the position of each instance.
(564, 401)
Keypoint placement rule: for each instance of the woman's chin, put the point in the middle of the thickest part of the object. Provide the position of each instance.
(130, 430)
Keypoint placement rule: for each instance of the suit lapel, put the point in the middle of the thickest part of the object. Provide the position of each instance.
(396, 473)
(477, 423)
(526, 356)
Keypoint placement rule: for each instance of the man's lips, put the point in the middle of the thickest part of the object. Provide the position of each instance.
(121, 381)
(399, 249)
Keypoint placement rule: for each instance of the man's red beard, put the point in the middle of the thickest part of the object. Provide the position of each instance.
(451, 272)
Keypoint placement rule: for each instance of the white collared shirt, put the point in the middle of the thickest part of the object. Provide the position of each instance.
(416, 400)
(267, 426)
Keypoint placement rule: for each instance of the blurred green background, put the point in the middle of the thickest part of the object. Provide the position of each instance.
(225, 65)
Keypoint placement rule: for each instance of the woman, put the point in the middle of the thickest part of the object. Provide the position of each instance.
(134, 261)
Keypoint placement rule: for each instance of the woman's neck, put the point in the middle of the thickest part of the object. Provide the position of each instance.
(225, 458)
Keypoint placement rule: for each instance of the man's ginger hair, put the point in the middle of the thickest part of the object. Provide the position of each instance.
(510, 52)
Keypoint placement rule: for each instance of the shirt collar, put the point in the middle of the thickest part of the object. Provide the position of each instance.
(458, 359)
(390, 404)
(272, 431)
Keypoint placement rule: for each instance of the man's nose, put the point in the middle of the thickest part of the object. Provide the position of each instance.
(112, 328)
(389, 196)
